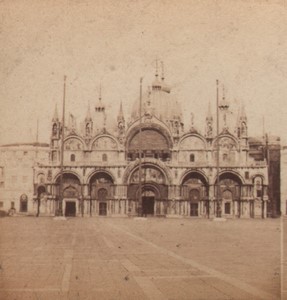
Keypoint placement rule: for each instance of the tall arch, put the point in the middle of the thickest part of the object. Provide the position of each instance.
(194, 189)
(101, 181)
(157, 142)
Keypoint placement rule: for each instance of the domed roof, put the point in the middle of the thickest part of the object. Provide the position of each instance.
(159, 102)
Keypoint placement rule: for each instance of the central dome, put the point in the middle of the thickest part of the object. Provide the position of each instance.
(158, 101)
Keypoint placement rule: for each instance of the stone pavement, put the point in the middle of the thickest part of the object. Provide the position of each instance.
(122, 258)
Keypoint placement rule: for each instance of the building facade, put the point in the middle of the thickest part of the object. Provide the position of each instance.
(17, 163)
(152, 165)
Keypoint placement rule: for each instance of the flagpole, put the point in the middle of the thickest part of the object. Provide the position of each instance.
(218, 208)
(140, 212)
(61, 194)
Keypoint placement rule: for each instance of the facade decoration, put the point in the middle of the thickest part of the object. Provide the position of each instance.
(177, 170)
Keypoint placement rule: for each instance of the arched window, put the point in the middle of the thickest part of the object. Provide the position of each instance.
(191, 158)
(104, 157)
(73, 157)
(258, 187)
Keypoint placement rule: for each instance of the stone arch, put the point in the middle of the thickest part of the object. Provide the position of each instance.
(74, 143)
(150, 173)
(152, 127)
(104, 142)
(194, 182)
(149, 187)
(71, 185)
(40, 178)
(258, 175)
(148, 162)
(225, 137)
(187, 142)
(89, 177)
(101, 181)
(57, 176)
(230, 174)
(197, 173)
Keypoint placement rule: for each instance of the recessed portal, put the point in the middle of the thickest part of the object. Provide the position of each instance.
(148, 205)
(70, 210)
(102, 208)
(194, 199)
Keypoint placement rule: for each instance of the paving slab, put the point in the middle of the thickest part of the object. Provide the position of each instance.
(110, 258)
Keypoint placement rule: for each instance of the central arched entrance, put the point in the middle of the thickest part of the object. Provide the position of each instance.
(149, 197)
(148, 200)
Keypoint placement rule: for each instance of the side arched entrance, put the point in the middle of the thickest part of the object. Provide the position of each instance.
(101, 190)
(71, 194)
(194, 191)
(229, 195)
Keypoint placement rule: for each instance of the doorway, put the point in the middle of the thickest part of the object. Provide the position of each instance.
(103, 208)
(70, 209)
(148, 205)
(194, 196)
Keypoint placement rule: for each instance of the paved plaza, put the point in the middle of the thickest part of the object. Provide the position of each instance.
(126, 258)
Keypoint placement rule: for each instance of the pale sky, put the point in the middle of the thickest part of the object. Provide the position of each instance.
(243, 43)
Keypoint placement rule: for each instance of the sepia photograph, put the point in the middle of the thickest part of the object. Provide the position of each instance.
(143, 149)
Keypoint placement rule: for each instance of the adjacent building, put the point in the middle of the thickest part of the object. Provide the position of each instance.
(17, 163)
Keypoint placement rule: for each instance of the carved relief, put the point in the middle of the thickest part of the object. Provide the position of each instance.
(193, 143)
(226, 144)
(73, 144)
(104, 143)
(148, 174)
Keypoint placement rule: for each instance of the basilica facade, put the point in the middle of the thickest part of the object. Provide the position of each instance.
(150, 163)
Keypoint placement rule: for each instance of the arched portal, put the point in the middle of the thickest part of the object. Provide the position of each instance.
(101, 190)
(194, 196)
(154, 190)
(228, 194)
(194, 191)
(70, 194)
(148, 201)
(156, 144)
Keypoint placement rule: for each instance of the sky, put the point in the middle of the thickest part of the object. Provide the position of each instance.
(242, 43)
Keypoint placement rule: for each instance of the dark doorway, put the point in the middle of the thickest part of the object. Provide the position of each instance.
(252, 209)
(194, 209)
(194, 198)
(70, 210)
(102, 208)
(148, 205)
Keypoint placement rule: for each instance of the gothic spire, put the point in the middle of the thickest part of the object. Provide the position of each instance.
(88, 116)
(56, 115)
(243, 116)
(121, 114)
(209, 115)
